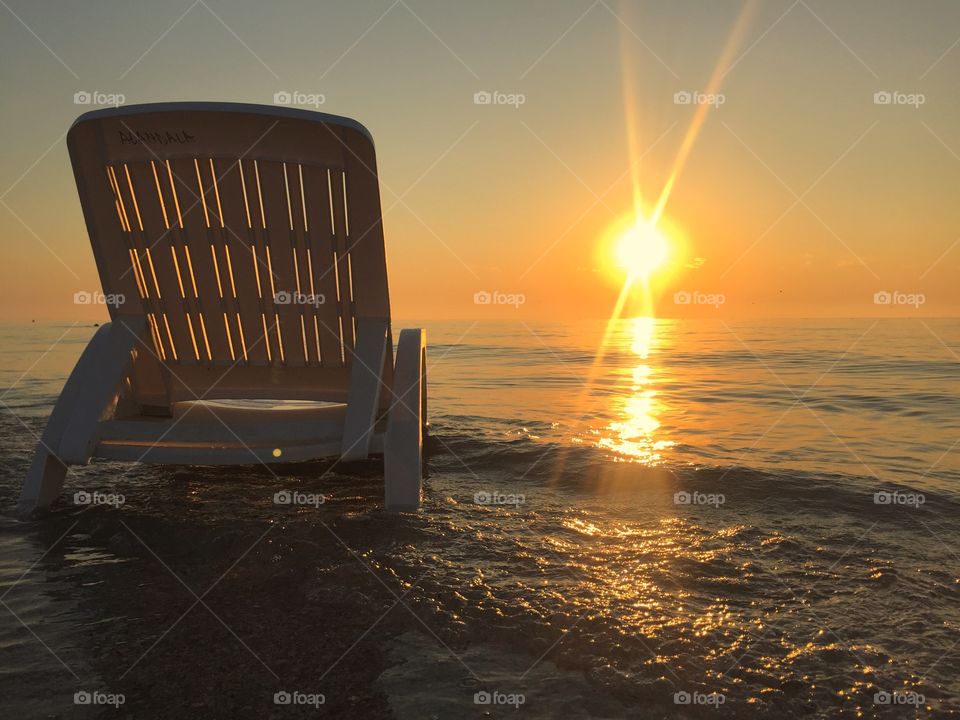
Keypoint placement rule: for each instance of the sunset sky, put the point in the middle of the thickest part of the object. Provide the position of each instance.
(799, 194)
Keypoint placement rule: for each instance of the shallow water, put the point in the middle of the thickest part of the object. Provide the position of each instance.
(690, 516)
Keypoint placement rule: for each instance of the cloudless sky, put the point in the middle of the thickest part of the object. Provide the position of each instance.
(800, 196)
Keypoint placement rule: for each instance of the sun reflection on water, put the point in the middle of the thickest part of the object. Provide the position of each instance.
(633, 436)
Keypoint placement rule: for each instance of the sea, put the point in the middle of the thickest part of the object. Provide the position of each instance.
(644, 518)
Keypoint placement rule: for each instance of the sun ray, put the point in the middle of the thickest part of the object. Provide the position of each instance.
(700, 114)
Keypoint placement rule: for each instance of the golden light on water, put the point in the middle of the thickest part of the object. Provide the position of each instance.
(634, 435)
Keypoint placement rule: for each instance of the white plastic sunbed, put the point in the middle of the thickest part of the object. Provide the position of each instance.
(240, 249)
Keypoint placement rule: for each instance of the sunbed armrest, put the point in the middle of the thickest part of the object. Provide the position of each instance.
(366, 383)
(410, 376)
(403, 448)
(90, 392)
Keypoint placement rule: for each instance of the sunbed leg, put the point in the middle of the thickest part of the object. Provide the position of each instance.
(403, 451)
(44, 481)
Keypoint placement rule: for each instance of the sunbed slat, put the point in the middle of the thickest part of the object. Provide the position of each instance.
(153, 248)
(278, 236)
(239, 238)
(196, 197)
(321, 243)
(343, 249)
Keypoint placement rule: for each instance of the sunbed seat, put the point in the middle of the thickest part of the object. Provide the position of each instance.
(230, 432)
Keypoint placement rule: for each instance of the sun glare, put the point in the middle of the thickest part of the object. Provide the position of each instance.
(642, 249)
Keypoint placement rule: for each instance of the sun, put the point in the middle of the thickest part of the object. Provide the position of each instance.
(641, 249)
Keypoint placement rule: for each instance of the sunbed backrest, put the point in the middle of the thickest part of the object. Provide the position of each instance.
(247, 236)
